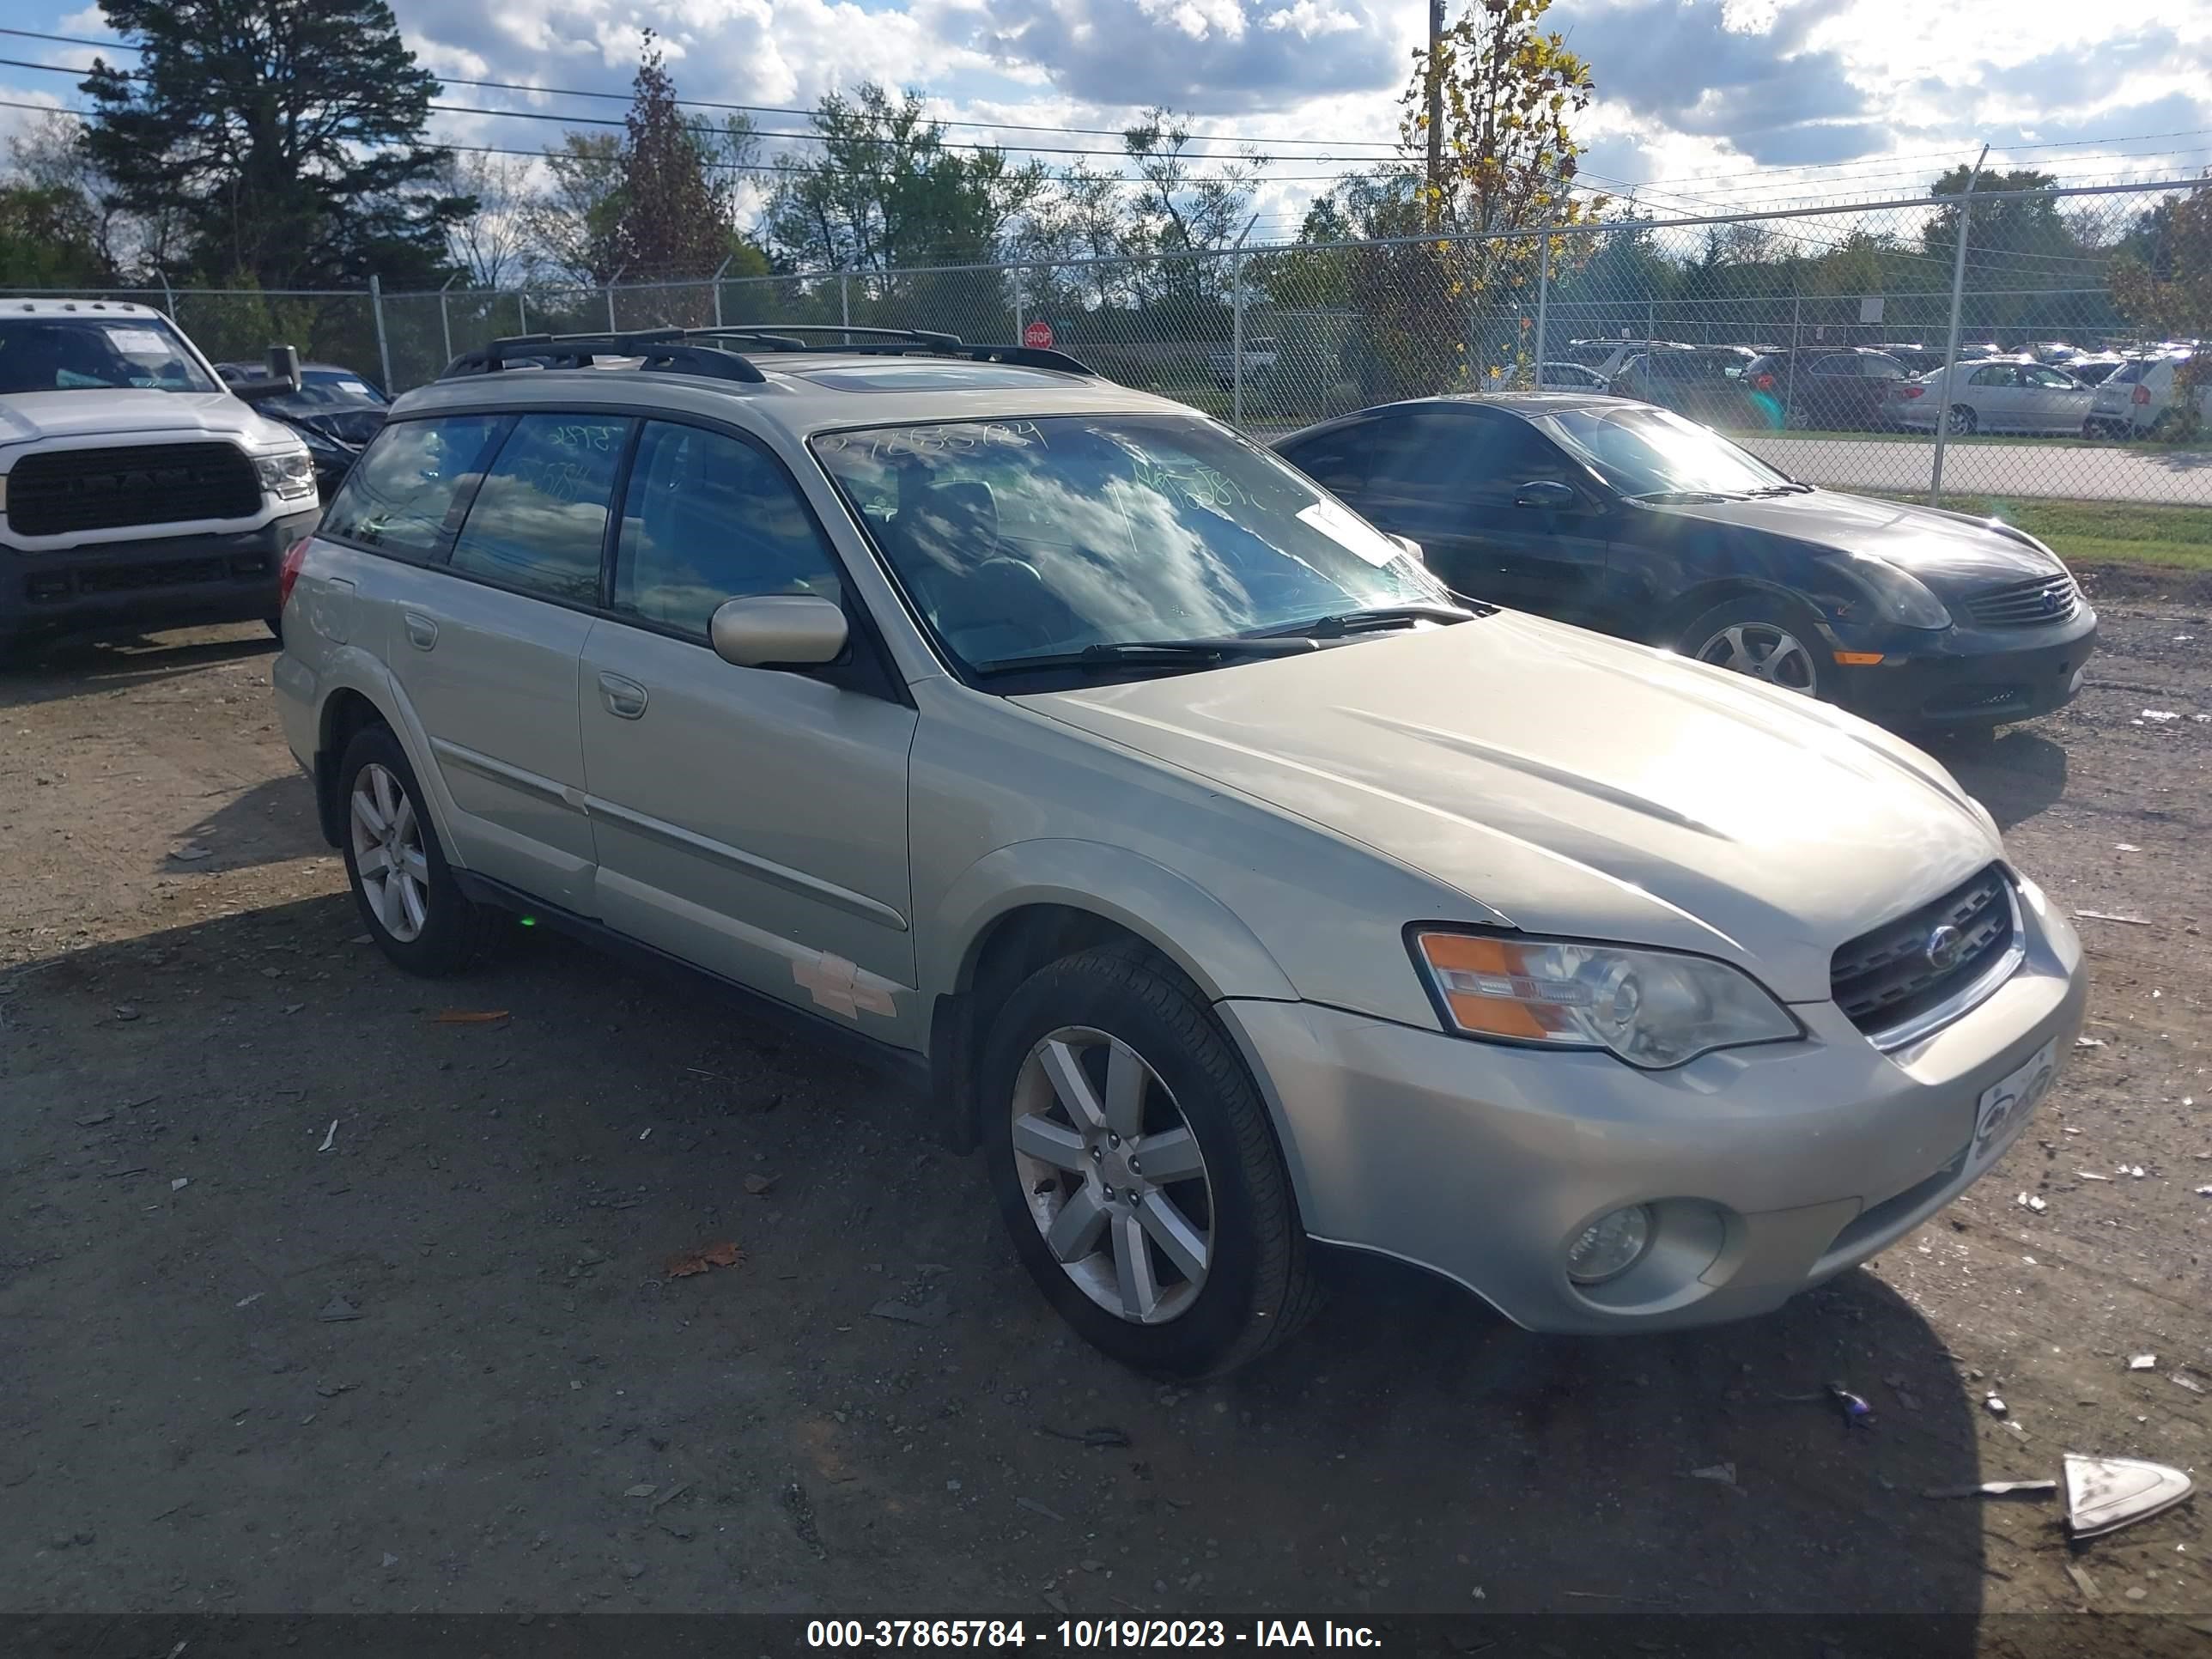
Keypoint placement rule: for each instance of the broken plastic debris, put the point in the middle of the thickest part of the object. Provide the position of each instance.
(2107, 915)
(2105, 1493)
(2160, 715)
(2195, 1385)
(2125, 846)
(697, 1261)
(643, 1489)
(1996, 1406)
(2143, 1362)
(465, 1017)
(2088, 1043)
(1723, 1473)
(329, 1140)
(2030, 1201)
(1992, 1489)
(180, 1183)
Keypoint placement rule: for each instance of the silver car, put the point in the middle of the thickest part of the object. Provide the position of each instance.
(2013, 394)
(1235, 887)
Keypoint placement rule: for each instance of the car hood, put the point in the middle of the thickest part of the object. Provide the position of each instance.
(1924, 540)
(133, 411)
(1576, 784)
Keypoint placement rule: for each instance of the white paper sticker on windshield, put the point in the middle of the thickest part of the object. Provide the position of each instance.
(1351, 532)
(141, 342)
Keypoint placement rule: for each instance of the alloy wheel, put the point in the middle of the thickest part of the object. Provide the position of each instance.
(1764, 651)
(1113, 1175)
(387, 852)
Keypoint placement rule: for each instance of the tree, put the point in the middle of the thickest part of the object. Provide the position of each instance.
(289, 133)
(49, 237)
(2170, 296)
(882, 192)
(50, 154)
(570, 224)
(671, 222)
(492, 244)
(1180, 212)
(1508, 92)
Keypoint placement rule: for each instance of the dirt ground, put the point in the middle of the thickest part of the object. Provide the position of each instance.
(441, 1366)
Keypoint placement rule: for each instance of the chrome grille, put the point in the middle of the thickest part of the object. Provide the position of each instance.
(57, 491)
(2026, 604)
(1884, 978)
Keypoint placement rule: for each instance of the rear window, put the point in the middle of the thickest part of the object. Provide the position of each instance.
(406, 495)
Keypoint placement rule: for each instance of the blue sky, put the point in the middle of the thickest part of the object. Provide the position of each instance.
(1703, 103)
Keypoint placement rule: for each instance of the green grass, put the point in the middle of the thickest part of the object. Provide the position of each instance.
(1926, 440)
(2103, 532)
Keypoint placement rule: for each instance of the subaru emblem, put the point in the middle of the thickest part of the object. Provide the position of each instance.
(1942, 948)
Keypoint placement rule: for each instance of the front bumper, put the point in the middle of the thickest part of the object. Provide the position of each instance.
(160, 581)
(1964, 676)
(1769, 1169)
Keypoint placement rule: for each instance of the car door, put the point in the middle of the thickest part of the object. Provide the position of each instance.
(2052, 400)
(1992, 392)
(1453, 477)
(485, 647)
(751, 821)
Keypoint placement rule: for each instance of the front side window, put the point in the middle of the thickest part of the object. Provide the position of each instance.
(1032, 537)
(709, 518)
(96, 354)
(1993, 374)
(540, 519)
(2049, 378)
(405, 495)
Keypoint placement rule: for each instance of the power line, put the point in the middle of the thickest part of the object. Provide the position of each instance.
(1390, 145)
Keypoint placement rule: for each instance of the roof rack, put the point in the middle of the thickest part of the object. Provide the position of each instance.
(718, 352)
(658, 347)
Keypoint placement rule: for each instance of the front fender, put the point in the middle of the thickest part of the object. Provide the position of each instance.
(1188, 925)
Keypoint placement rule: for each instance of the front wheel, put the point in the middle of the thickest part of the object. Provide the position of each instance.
(1762, 639)
(1137, 1170)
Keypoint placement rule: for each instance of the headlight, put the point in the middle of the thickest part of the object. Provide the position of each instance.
(287, 476)
(1652, 1008)
(1903, 599)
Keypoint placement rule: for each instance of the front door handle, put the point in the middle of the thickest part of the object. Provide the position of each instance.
(421, 632)
(625, 699)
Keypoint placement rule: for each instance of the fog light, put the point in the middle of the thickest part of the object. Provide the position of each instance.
(1610, 1246)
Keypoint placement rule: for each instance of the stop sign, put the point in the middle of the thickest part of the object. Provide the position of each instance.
(1038, 336)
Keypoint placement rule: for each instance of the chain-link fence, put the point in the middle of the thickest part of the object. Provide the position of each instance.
(1815, 337)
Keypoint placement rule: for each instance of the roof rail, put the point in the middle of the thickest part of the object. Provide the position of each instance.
(785, 337)
(656, 347)
(718, 352)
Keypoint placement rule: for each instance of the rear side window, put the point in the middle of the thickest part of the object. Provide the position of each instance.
(1836, 364)
(1336, 460)
(406, 494)
(540, 519)
(1993, 374)
(1880, 368)
(708, 518)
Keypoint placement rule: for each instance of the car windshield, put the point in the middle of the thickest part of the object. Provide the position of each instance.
(1021, 540)
(1655, 451)
(72, 353)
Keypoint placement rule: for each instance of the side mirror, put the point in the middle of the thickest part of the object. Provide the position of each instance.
(1412, 548)
(779, 630)
(1546, 494)
(284, 365)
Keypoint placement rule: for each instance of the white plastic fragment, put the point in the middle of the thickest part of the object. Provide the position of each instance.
(2030, 1201)
(2105, 1493)
(2160, 714)
(2143, 1362)
(1995, 1406)
(329, 1140)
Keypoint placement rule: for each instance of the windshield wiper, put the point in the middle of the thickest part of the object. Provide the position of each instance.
(1377, 616)
(1793, 488)
(1670, 496)
(1146, 653)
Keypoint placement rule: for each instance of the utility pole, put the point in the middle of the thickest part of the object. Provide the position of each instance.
(1951, 344)
(1436, 109)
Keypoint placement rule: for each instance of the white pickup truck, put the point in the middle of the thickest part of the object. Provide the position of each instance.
(1260, 359)
(136, 488)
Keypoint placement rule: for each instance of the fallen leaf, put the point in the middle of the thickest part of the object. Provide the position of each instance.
(463, 1017)
(689, 1262)
(643, 1489)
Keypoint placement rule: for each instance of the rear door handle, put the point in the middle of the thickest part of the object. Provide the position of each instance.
(421, 632)
(625, 699)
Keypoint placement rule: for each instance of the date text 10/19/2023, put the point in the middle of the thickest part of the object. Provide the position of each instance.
(1086, 1634)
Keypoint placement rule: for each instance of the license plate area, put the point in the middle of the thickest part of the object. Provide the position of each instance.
(2007, 1104)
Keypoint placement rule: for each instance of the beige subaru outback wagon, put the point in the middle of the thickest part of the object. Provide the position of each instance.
(1238, 888)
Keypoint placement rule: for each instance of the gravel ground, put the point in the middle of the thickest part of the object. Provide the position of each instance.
(441, 1365)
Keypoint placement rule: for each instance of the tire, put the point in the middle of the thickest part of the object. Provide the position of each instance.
(1096, 1014)
(1961, 421)
(436, 930)
(1763, 638)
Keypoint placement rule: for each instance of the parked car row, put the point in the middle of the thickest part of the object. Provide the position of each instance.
(1241, 879)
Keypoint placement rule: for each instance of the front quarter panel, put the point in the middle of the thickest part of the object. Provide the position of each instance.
(1009, 808)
